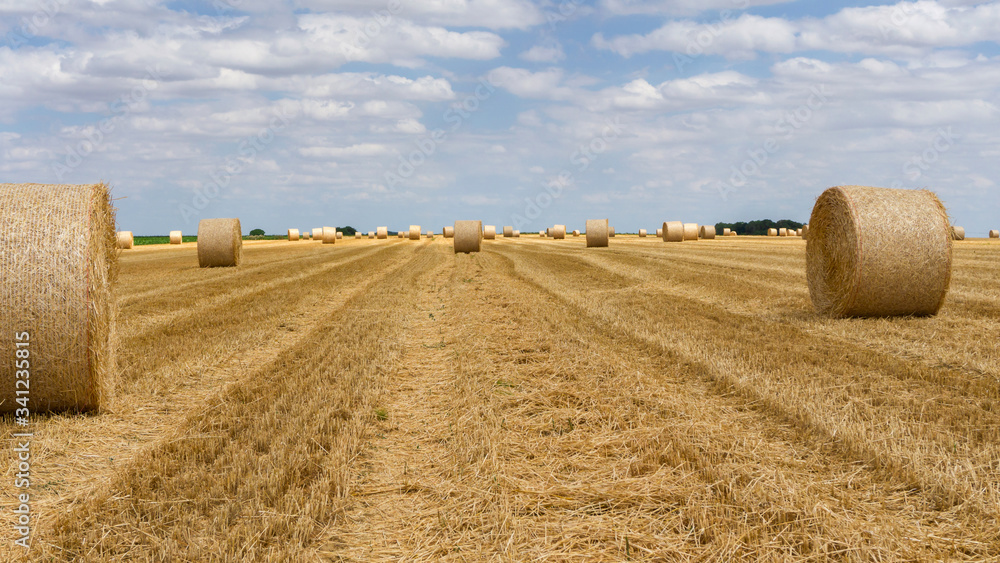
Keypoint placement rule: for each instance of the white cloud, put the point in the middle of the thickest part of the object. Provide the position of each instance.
(679, 7)
(546, 53)
(353, 151)
(491, 14)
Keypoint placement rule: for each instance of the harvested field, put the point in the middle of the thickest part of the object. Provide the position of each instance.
(538, 400)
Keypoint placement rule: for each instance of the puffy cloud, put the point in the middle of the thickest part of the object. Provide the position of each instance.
(550, 52)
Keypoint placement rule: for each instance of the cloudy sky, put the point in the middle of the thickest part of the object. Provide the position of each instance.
(306, 113)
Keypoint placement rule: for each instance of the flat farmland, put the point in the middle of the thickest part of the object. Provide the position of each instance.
(538, 401)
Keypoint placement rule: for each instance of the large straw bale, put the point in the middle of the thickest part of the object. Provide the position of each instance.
(876, 252)
(414, 232)
(559, 232)
(448, 232)
(673, 231)
(220, 243)
(382, 232)
(329, 235)
(317, 233)
(958, 233)
(125, 239)
(176, 237)
(59, 261)
(994, 234)
(490, 232)
(468, 236)
(293, 235)
(508, 231)
(597, 233)
(707, 232)
(690, 231)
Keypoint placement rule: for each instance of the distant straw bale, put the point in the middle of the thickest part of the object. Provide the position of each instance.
(220, 243)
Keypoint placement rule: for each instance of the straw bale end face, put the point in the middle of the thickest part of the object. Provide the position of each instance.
(414, 232)
(382, 233)
(611, 232)
(329, 235)
(642, 233)
(559, 232)
(994, 234)
(293, 235)
(958, 233)
(468, 236)
(490, 232)
(125, 240)
(707, 232)
(877, 252)
(691, 231)
(673, 231)
(448, 232)
(508, 231)
(177, 237)
(220, 243)
(58, 294)
(597, 233)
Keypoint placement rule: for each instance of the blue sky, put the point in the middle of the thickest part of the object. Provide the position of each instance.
(395, 112)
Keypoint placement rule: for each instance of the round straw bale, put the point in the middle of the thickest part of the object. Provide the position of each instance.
(508, 231)
(659, 232)
(994, 234)
(958, 233)
(329, 235)
(317, 234)
(597, 233)
(339, 235)
(541, 234)
(448, 232)
(400, 234)
(468, 236)
(611, 231)
(559, 232)
(576, 232)
(414, 232)
(220, 243)
(176, 237)
(306, 235)
(732, 233)
(805, 231)
(371, 234)
(673, 231)
(293, 235)
(690, 231)
(357, 235)
(59, 258)
(642, 233)
(490, 232)
(798, 232)
(125, 240)
(430, 234)
(772, 232)
(876, 252)
(725, 232)
(382, 232)
(517, 233)
(782, 232)
(548, 231)
(707, 232)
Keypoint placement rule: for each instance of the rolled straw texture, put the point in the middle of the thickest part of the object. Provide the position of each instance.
(125, 240)
(382, 232)
(690, 231)
(490, 232)
(401, 234)
(59, 260)
(576, 232)
(725, 232)
(468, 236)
(659, 233)
(317, 234)
(958, 233)
(642, 233)
(508, 231)
(371, 234)
(994, 234)
(673, 231)
(448, 232)
(611, 231)
(339, 235)
(329, 235)
(772, 232)
(559, 232)
(414, 232)
(707, 232)
(293, 235)
(357, 235)
(517, 233)
(177, 237)
(805, 231)
(782, 232)
(876, 252)
(220, 243)
(597, 233)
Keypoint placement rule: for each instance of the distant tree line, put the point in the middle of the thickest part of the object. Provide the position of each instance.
(757, 228)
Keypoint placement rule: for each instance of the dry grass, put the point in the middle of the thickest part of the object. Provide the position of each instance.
(528, 402)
